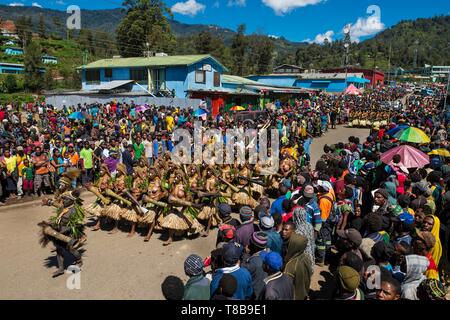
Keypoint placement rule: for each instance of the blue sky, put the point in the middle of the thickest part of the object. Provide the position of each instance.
(296, 20)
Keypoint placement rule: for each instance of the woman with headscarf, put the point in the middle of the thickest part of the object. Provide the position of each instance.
(432, 224)
(305, 229)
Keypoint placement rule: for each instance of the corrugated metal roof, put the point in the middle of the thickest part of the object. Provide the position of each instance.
(112, 85)
(238, 80)
(185, 60)
(329, 75)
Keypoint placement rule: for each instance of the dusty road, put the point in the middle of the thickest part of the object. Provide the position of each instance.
(115, 267)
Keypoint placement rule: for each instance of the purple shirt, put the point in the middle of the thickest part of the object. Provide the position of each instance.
(112, 163)
(244, 233)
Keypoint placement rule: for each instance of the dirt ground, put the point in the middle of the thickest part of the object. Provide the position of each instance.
(115, 267)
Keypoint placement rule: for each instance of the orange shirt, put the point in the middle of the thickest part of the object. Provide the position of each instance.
(67, 130)
(43, 169)
(325, 205)
(74, 158)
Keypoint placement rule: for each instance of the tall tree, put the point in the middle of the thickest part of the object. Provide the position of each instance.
(32, 63)
(204, 42)
(238, 51)
(23, 30)
(58, 24)
(48, 80)
(86, 40)
(41, 26)
(144, 23)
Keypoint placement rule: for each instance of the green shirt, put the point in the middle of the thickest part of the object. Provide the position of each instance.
(86, 155)
(138, 150)
(27, 172)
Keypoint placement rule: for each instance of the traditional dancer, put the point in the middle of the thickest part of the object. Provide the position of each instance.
(65, 229)
(154, 198)
(182, 215)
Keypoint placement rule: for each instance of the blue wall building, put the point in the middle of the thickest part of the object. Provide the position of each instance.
(14, 68)
(329, 82)
(157, 75)
(13, 51)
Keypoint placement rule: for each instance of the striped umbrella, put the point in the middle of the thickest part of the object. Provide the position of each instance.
(412, 134)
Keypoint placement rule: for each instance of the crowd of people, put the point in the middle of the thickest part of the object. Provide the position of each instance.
(381, 228)
(349, 211)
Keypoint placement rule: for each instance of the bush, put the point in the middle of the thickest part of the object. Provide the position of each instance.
(10, 84)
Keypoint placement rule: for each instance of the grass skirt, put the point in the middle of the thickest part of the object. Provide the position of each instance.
(243, 199)
(148, 218)
(94, 209)
(130, 215)
(113, 211)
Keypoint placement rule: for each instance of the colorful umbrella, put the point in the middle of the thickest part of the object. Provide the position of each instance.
(142, 108)
(77, 116)
(412, 134)
(200, 112)
(440, 152)
(393, 131)
(410, 156)
(237, 108)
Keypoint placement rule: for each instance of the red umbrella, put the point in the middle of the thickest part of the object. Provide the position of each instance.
(410, 156)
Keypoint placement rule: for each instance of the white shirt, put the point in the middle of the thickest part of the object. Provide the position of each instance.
(148, 146)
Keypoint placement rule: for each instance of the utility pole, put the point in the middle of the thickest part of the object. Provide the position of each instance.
(347, 42)
(389, 64)
(85, 57)
(416, 52)
(446, 91)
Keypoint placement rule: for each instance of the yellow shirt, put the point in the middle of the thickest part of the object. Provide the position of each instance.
(20, 167)
(170, 123)
(11, 163)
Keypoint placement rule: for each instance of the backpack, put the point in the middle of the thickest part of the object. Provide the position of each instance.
(334, 216)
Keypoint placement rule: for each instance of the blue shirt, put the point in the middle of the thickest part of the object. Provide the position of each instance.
(169, 145)
(243, 278)
(313, 212)
(155, 148)
(307, 145)
(277, 206)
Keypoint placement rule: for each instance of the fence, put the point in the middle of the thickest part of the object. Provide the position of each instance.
(59, 100)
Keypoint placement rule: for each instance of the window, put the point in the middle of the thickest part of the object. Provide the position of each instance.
(92, 76)
(139, 75)
(158, 79)
(216, 79)
(108, 73)
(200, 76)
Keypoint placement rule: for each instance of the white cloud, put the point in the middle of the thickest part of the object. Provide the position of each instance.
(239, 3)
(282, 7)
(364, 27)
(320, 38)
(216, 4)
(35, 4)
(16, 4)
(60, 2)
(188, 8)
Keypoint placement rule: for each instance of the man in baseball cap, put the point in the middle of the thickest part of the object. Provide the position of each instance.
(278, 286)
(349, 240)
(224, 210)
